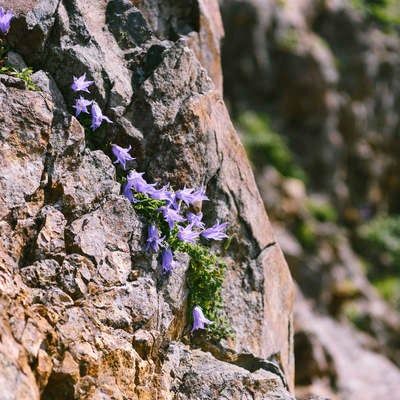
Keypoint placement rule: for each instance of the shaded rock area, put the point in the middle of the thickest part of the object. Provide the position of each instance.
(85, 311)
(324, 76)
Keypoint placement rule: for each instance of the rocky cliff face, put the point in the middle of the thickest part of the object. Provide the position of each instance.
(85, 311)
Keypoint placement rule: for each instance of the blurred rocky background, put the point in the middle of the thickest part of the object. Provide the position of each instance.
(314, 88)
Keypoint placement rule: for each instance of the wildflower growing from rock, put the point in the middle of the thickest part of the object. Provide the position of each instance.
(153, 238)
(185, 195)
(81, 84)
(171, 216)
(81, 105)
(187, 234)
(196, 219)
(161, 194)
(127, 192)
(215, 232)
(98, 117)
(135, 179)
(199, 319)
(199, 195)
(122, 154)
(5, 19)
(167, 260)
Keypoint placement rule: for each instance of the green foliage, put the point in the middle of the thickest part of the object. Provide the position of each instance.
(25, 74)
(306, 234)
(288, 40)
(264, 146)
(384, 12)
(356, 316)
(389, 288)
(381, 240)
(206, 270)
(321, 210)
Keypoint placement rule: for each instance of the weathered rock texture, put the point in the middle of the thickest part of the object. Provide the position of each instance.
(85, 312)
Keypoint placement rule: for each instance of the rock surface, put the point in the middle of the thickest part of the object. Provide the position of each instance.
(86, 313)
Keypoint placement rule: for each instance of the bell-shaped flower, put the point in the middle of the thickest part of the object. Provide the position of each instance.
(187, 234)
(215, 232)
(98, 117)
(5, 20)
(195, 219)
(160, 194)
(153, 238)
(167, 260)
(199, 195)
(127, 192)
(185, 195)
(199, 319)
(81, 105)
(122, 154)
(137, 181)
(171, 216)
(81, 84)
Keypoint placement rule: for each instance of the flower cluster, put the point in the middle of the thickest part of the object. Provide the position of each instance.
(81, 105)
(171, 226)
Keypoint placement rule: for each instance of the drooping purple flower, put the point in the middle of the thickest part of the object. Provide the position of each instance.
(122, 154)
(160, 194)
(127, 192)
(141, 186)
(215, 232)
(5, 20)
(199, 319)
(187, 234)
(81, 84)
(98, 117)
(185, 195)
(153, 238)
(167, 260)
(199, 195)
(195, 219)
(81, 105)
(171, 216)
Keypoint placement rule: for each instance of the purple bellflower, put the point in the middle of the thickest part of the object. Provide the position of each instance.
(196, 219)
(167, 261)
(127, 192)
(141, 186)
(160, 194)
(153, 238)
(98, 117)
(81, 105)
(81, 84)
(185, 195)
(215, 232)
(199, 195)
(199, 319)
(122, 154)
(187, 234)
(5, 20)
(171, 216)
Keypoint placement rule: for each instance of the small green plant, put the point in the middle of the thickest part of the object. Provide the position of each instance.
(380, 239)
(384, 12)
(25, 74)
(264, 146)
(306, 234)
(321, 210)
(389, 288)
